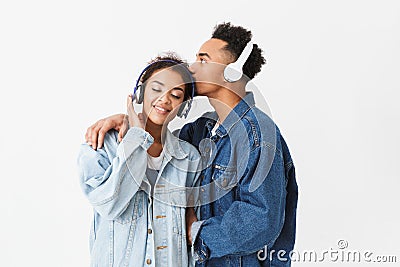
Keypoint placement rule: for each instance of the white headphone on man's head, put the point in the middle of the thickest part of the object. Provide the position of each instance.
(234, 71)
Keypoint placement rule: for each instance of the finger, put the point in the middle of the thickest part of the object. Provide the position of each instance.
(141, 119)
(123, 130)
(105, 127)
(130, 108)
(94, 136)
(87, 134)
(100, 139)
(120, 133)
(129, 102)
(89, 131)
(125, 125)
(120, 136)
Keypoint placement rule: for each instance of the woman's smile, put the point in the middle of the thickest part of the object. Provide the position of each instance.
(161, 110)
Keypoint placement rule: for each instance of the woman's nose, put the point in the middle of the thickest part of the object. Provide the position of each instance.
(165, 98)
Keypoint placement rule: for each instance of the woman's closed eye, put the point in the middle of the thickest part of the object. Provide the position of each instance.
(156, 89)
(176, 96)
(177, 93)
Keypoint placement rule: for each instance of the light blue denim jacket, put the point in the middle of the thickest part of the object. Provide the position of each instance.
(131, 228)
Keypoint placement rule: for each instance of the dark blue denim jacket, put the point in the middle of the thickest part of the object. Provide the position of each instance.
(248, 193)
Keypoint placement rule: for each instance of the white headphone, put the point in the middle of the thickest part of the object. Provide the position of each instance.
(233, 71)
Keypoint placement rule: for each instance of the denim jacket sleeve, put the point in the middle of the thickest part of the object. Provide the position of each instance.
(111, 176)
(253, 220)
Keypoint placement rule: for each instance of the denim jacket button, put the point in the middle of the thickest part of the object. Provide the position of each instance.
(149, 231)
(148, 261)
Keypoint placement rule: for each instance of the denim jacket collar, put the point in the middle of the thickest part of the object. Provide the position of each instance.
(173, 147)
(236, 114)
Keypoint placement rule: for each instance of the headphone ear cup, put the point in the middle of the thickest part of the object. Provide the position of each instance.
(232, 73)
(182, 109)
(140, 94)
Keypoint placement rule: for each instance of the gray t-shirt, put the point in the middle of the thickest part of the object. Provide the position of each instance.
(153, 167)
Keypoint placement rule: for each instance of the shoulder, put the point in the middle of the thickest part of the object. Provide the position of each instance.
(262, 128)
(108, 149)
(259, 118)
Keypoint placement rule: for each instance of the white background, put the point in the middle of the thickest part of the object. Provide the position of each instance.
(331, 82)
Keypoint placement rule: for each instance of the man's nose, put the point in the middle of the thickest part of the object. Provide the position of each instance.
(192, 67)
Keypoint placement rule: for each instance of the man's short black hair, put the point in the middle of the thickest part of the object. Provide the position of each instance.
(237, 38)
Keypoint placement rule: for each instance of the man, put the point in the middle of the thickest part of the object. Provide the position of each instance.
(248, 192)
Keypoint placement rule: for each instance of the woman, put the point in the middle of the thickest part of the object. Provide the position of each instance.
(139, 188)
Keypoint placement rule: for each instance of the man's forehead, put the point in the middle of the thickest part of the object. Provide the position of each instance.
(213, 49)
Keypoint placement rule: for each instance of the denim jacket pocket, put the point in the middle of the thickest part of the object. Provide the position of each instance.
(224, 177)
(134, 209)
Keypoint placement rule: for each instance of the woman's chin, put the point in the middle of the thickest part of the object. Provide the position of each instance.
(161, 119)
(158, 120)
